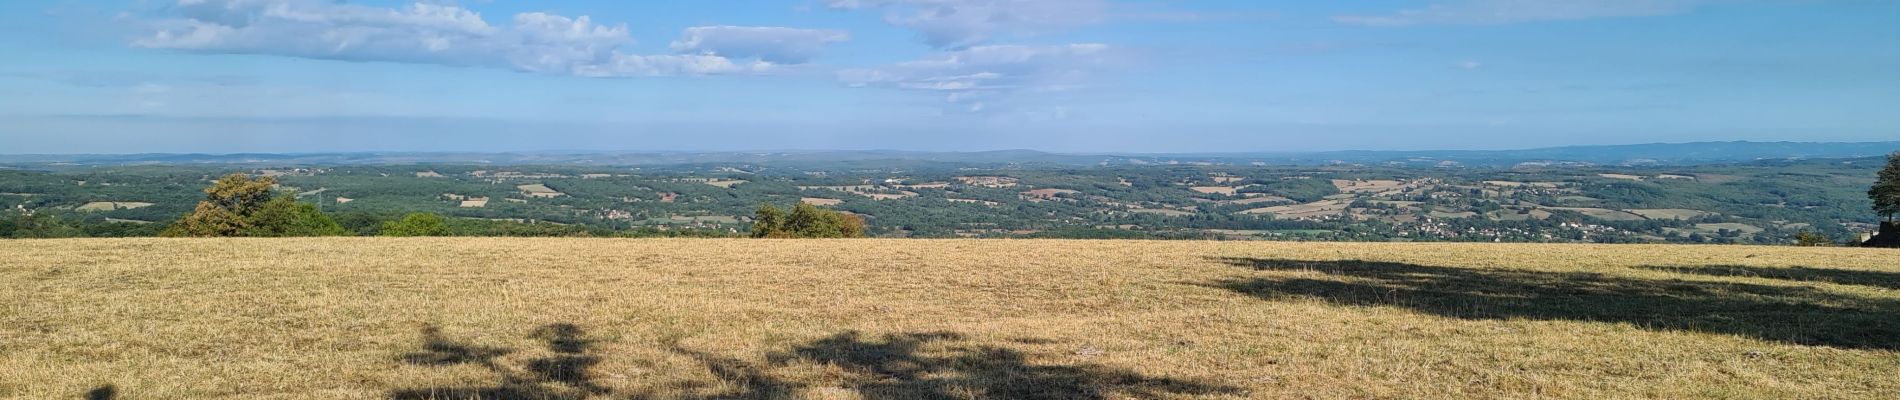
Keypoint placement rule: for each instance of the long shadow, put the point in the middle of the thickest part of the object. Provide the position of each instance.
(1798, 315)
(1887, 280)
(896, 366)
(107, 392)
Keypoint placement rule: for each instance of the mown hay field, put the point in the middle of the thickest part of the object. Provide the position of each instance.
(495, 318)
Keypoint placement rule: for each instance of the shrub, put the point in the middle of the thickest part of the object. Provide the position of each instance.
(805, 221)
(1811, 239)
(415, 225)
(283, 217)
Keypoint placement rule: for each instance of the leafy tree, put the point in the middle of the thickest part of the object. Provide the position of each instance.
(34, 226)
(284, 217)
(209, 220)
(238, 205)
(769, 222)
(227, 207)
(364, 223)
(1886, 190)
(806, 221)
(416, 225)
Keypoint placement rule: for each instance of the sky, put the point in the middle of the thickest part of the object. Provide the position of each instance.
(226, 76)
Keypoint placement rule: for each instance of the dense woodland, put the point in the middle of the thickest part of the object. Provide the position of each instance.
(1766, 202)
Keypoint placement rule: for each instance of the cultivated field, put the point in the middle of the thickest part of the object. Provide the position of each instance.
(113, 205)
(901, 319)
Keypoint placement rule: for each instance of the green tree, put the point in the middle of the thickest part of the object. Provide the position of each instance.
(806, 221)
(238, 205)
(38, 226)
(284, 217)
(1886, 190)
(769, 222)
(416, 225)
(1811, 239)
(227, 207)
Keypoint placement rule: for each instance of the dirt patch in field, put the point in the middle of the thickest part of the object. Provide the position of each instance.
(1601, 213)
(1671, 213)
(1371, 186)
(820, 201)
(1165, 212)
(891, 196)
(112, 205)
(1314, 210)
(539, 190)
(1226, 190)
(1255, 200)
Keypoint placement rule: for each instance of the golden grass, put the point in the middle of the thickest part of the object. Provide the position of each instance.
(880, 319)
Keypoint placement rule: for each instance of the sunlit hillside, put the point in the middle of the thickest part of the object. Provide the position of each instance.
(900, 319)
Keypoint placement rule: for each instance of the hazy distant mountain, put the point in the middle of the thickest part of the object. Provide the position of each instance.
(1638, 154)
(1635, 154)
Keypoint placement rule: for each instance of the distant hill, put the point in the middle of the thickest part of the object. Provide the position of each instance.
(1637, 154)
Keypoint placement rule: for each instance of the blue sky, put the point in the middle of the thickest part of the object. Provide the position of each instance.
(1059, 75)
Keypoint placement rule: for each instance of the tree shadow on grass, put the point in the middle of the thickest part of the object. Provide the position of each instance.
(899, 366)
(934, 365)
(1885, 280)
(1798, 315)
(560, 376)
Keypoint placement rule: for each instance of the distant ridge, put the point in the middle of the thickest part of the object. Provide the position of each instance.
(1634, 154)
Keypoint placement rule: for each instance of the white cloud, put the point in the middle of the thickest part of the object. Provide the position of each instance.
(953, 24)
(1470, 65)
(1499, 12)
(430, 33)
(768, 43)
(977, 76)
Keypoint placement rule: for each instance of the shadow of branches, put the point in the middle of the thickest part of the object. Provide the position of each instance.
(932, 365)
(896, 366)
(1799, 315)
(560, 376)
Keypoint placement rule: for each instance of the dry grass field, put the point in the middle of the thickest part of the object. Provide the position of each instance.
(369, 318)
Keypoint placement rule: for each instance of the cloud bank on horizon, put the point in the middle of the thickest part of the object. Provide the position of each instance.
(946, 74)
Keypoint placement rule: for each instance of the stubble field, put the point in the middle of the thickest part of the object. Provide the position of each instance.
(495, 318)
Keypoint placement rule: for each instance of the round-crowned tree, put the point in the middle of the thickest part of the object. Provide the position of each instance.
(416, 225)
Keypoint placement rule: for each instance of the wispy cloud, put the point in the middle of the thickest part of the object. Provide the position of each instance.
(767, 43)
(955, 24)
(1499, 12)
(973, 78)
(431, 33)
